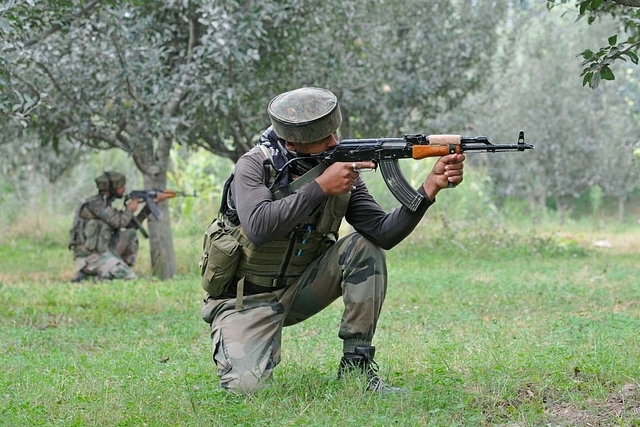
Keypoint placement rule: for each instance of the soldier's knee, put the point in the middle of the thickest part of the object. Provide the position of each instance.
(242, 384)
(368, 248)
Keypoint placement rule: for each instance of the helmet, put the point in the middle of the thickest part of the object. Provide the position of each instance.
(109, 181)
(305, 115)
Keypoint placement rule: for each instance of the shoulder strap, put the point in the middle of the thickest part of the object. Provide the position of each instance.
(304, 179)
(265, 151)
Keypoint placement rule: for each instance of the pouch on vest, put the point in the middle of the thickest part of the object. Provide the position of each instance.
(220, 256)
(76, 234)
(97, 235)
(333, 213)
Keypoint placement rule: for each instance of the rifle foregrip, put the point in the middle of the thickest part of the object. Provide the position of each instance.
(399, 186)
(424, 151)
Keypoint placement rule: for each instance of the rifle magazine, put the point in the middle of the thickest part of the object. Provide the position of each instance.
(399, 186)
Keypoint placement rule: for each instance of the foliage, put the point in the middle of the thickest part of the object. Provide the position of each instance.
(141, 76)
(581, 140)
(199, 173)
(26, 161)
(131, 71)
(396, 64)
(596, 66)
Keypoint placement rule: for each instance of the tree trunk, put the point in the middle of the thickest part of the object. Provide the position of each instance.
(542, 200)
(163, 258)
(560, 209)
(630, 3)
(621, 204)
(345, 127)
(153, 162)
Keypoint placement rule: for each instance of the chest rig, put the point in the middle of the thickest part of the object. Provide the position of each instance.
(89, 233)
(279, 263)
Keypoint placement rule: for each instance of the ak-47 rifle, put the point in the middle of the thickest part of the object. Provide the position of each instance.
(385, 152)
(148, 197)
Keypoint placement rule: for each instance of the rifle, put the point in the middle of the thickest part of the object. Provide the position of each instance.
(148, 197)
(385, 152)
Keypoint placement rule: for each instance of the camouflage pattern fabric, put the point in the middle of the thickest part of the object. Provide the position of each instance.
(125, 244)
(305, 115)
(246, 342)
(105, 266)
(116, 262)
(109, 181)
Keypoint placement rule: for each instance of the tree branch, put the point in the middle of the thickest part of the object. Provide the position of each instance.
(630, 3)
(57, 27)
(130, 90)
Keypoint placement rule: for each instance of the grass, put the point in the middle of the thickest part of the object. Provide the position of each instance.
(481, 327)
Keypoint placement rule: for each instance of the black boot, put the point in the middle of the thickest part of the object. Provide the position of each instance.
(79, 277)
(362, 360)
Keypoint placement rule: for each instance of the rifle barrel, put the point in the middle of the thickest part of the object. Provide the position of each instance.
(493, 148)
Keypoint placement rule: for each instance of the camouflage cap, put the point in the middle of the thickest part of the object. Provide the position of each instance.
(109, 181)
(305, 115)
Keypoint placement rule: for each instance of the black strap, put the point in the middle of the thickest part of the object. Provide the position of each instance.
(304, 179)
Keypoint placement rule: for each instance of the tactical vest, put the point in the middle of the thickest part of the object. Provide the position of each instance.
(280, 262)
(89, 234)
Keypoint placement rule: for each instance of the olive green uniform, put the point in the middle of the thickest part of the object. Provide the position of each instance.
(246, 341)
(284, 249)
(101, 244)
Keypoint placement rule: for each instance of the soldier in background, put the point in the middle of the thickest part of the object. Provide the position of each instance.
(273, 258)
(103, 241)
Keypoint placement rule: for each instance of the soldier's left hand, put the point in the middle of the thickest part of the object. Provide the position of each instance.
(161, 197)
(448, 169)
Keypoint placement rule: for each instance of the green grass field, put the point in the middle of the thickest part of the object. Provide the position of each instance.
(481, 328)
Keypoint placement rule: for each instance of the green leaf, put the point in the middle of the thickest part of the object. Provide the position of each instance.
(607, 74)
(632, 56)
(583, 7)
(613, 40)
(588, 54)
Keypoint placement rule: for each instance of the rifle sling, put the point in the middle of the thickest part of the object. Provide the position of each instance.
(304, 179)
(138, 225)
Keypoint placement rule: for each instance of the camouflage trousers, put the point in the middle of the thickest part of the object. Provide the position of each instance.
(115, 263)
(246, 341)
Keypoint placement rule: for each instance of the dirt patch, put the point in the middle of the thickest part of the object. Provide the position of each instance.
(619, 409)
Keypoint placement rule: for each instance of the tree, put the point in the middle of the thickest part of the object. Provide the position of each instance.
(405, 63)
(596, 66)
(22, 25)
(618, 171)
(139, 76)
(531, 92)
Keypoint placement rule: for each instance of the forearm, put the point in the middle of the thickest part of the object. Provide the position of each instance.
(115, 218)
(384, 229)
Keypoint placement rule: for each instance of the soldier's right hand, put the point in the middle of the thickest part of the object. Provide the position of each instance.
(340, 178)
(132, 205)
